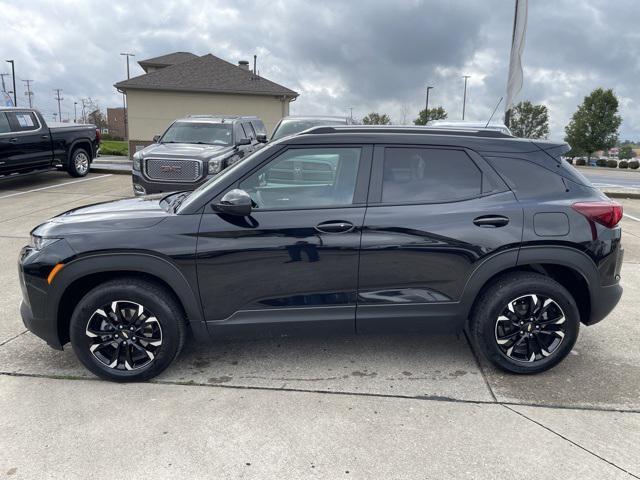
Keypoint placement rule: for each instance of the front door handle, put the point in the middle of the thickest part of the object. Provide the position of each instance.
(491, 221)
(335, 226)
(13, 140)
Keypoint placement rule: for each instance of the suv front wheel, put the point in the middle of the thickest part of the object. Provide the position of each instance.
(525, 323)
(127, 330)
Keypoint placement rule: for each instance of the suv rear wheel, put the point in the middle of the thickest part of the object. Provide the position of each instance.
(525, 323)
(127, 330)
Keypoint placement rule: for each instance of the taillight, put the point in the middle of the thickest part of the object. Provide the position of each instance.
(98, 135)
(608, 214)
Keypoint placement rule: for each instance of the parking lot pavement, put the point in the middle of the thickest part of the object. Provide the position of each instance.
(352, 407)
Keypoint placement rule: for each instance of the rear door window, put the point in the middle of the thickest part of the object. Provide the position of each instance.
(428, 175)
(23, 121)
(249, 131)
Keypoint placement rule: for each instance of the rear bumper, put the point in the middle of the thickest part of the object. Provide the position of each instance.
(603, 301)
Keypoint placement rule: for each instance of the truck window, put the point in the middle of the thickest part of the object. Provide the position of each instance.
(4, 123)
(23, 121)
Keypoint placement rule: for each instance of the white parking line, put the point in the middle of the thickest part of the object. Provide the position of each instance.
(631, 217)
(57, 185)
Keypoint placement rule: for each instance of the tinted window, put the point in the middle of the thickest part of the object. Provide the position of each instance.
(527, 179)
(23, 121)
(421, 175)
(304, 178)
(259, 127)
(248, 129)
(4, 124)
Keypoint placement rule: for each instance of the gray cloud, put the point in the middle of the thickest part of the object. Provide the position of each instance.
(365, 54)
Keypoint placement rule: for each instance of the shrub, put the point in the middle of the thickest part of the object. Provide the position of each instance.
(601, 162)
(623, 164)
(612, 164)
(581, 161)
(634, 164)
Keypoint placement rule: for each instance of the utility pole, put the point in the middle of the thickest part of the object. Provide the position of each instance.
(29, 93)
(58, 97)
(124, 98)
(426, 106)
(464, 97)
(13, 75)
(75, 112)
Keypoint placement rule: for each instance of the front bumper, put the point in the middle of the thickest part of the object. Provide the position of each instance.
(144, 186)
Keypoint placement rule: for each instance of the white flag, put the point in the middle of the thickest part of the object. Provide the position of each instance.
(514, 84)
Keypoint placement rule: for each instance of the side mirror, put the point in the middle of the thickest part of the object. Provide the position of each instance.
(262, 138)
(244, 141)
(234, 202)
(156, 138)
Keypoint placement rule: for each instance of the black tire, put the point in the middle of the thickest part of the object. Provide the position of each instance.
(159, 305)
(79, 163)
(487, 329)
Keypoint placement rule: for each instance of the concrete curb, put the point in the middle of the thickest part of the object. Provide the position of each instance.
(110, 169)
(629, 195)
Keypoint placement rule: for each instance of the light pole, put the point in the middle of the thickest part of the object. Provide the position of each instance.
(464, 97)
(13, 76)
(124, 98)
(75, 112)
(426, 105)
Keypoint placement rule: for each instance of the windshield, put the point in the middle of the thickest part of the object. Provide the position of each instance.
(293, 126)
(204, 190)
(193, 132)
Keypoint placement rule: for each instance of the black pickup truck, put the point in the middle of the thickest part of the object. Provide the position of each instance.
(28, 144)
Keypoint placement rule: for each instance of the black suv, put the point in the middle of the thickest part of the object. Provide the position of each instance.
(192, 150)
(352, 229)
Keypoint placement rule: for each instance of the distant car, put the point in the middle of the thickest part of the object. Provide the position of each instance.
(192, 150)
(28, 144)
(454, 124)
(296, 124)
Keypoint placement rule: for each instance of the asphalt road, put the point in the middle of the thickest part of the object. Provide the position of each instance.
(331, 407)
(612, 177)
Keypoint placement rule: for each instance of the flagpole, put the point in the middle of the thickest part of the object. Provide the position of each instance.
(507, 114)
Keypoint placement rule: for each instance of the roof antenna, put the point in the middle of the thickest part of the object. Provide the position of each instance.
(494, 112)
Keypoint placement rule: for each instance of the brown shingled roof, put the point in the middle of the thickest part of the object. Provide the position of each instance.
(205, 74)
(168, 59)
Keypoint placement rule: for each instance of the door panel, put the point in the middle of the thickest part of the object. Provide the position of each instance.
(294, 260)
(416, 258)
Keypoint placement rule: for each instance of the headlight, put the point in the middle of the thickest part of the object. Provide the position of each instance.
(215, 165)
(38, 243)
(137, 161)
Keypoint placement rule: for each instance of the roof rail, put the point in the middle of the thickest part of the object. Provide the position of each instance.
(467, 132)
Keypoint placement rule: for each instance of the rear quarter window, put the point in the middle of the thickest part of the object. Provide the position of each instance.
(527, 179)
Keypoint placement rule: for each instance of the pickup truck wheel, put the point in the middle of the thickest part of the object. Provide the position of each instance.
(525, 323)
(79, 163)
(127, 330)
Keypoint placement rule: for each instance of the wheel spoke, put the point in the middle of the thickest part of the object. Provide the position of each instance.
(116, 356)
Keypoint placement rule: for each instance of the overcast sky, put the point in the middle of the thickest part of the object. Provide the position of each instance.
(362, 54)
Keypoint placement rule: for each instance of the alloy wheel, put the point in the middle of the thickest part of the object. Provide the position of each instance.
(81, 162)
(530, 328)
(124, 335)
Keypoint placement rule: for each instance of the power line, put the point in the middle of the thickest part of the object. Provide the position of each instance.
(59, 98)
(29, 93)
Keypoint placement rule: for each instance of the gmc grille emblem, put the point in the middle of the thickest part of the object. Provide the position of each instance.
(170, 168)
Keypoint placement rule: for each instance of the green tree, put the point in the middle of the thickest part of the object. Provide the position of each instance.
(529, 121)
(594, 126)
(625, 152)
(376, 119)
(426, 116)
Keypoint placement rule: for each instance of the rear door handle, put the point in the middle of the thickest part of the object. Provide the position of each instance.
(13, 140)
(491, 221)
(335, 226)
